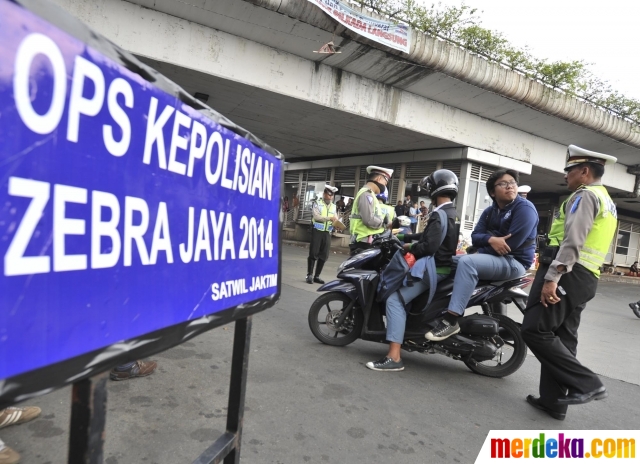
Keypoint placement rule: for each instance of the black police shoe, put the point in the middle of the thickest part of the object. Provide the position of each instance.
(318, 280)
(582, 398)
(635, 307)
(309, 279)
(535, 402)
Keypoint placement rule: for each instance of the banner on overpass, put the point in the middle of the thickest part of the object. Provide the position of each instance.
(384, 32)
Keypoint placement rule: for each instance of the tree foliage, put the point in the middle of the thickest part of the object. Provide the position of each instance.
(461, 26)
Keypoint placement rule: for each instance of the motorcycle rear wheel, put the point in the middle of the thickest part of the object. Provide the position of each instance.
(325, 311)
(516, 360)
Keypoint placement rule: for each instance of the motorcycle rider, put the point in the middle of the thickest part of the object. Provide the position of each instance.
(366, 219)
(442, 187)
(579, 241)
(505, 237)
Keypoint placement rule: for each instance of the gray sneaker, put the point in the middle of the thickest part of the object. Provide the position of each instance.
(635, 307)
(386, 364)
(442, 330)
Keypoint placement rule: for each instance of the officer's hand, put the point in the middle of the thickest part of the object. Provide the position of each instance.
(334, 219)
(548, 295)
(499, 244)
(386, 219)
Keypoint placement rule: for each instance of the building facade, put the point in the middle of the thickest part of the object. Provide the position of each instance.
(305, 180)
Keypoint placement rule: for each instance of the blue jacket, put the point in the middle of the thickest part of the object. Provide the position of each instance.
(520, 219)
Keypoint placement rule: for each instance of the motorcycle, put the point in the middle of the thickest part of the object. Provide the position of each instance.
(489, 344)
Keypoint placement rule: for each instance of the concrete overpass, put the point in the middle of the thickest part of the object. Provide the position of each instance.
(255, 60)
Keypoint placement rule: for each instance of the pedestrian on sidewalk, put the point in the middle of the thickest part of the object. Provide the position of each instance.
(132, 370)
(15, 416)
(413, 215)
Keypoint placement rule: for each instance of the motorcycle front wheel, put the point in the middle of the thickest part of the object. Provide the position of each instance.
(323, 317)
(509, 357)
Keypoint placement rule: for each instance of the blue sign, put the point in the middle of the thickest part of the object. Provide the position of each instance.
(123, 210)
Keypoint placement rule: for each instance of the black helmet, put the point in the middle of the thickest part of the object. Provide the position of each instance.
(439, 182)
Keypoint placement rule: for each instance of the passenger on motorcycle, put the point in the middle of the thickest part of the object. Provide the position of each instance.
(442, 187)
(505, 239)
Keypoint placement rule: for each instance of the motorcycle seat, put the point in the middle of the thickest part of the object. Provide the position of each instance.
(496, 283)
(445, 286)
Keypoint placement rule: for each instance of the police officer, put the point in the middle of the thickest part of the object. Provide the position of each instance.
(523, 190)
(366, 218)
(566, 280)
(324, 214)
(385, 209)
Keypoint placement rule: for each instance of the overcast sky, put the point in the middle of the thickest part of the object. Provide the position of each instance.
(605, 33)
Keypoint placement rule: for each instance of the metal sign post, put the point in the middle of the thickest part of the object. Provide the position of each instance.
(88, 418)
(227, 447)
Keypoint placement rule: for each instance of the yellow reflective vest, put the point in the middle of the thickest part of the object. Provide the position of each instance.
(387, 210)
(326, 210)
(595, 248)
(356, 226)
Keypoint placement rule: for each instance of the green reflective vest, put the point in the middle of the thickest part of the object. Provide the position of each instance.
(326, 210)
(595, 248)
(356, 226)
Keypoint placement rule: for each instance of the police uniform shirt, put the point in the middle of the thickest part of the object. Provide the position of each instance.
(580, 213)
(367, 211)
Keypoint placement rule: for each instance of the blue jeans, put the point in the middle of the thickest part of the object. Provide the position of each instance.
(472, 268)
(396, 312)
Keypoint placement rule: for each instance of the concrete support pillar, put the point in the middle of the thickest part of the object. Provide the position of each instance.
(463, 191)
(296, 213)
(401, 182)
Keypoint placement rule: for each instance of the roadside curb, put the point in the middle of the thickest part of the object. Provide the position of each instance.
(603, 277)
(619, 279)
